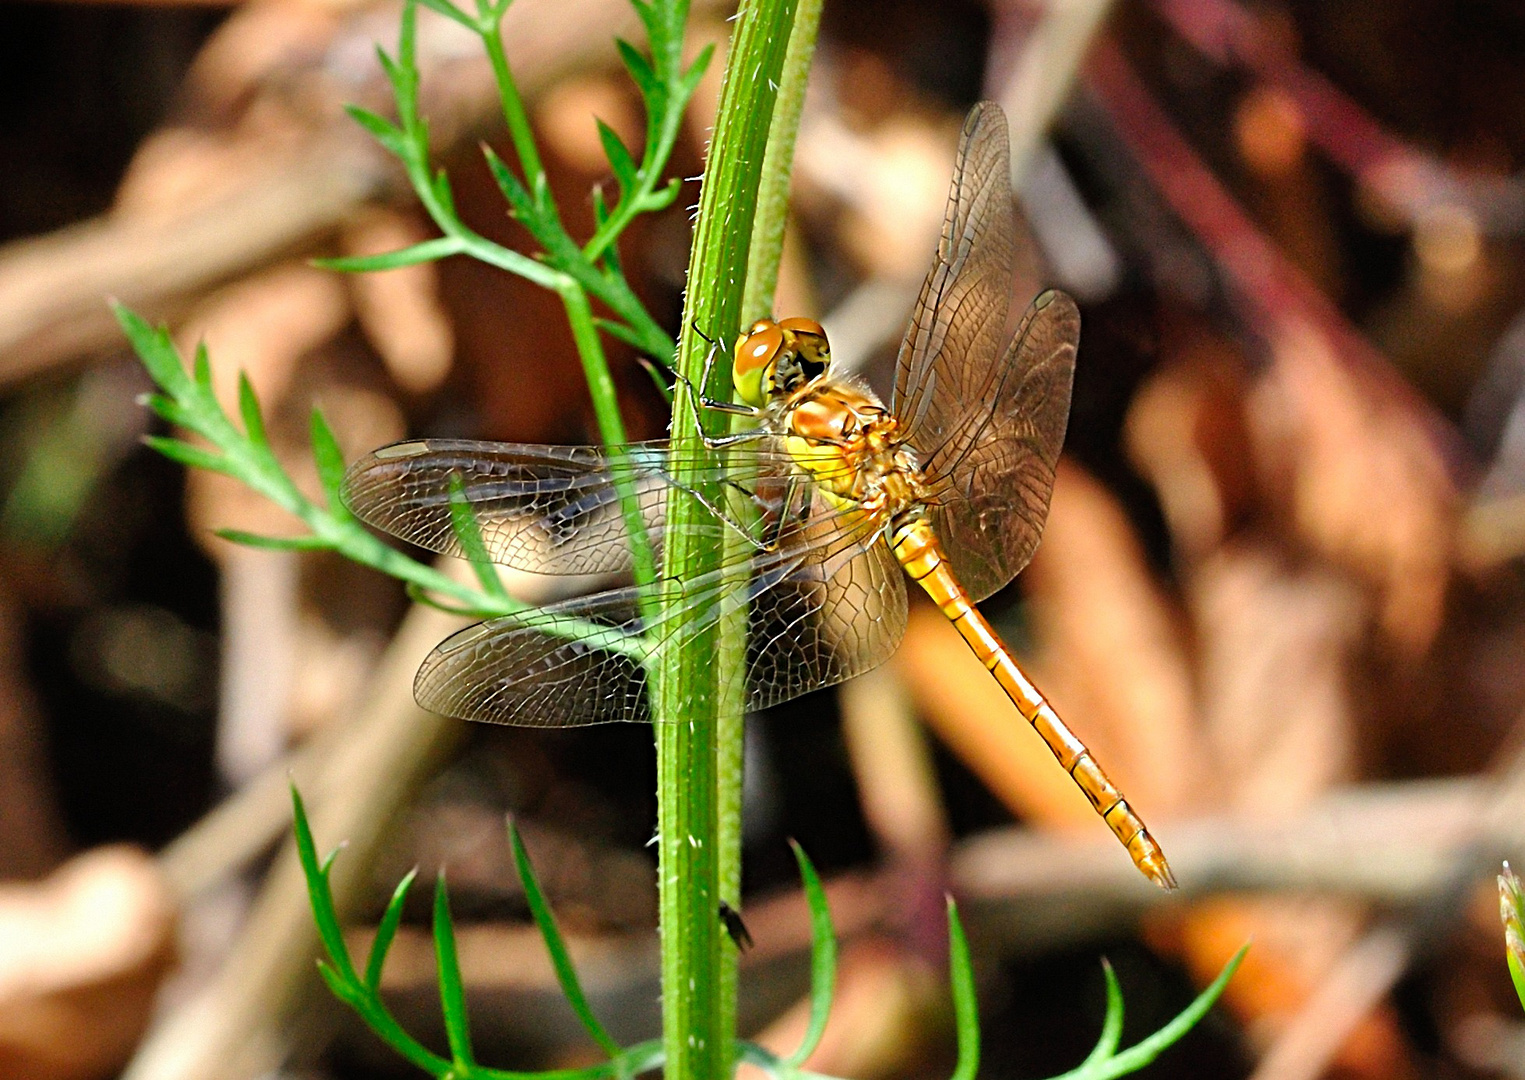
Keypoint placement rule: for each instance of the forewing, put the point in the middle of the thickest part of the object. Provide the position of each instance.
(549, 509)
(819, 612)
(949, 357)
(993, 474)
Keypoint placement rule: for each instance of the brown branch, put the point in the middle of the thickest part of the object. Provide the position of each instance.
(231, 1028)
(1275, 294)
(53, 288)
(1411, 181)
(1396, 845)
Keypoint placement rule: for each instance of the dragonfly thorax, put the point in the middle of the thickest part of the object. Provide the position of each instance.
(854, 448)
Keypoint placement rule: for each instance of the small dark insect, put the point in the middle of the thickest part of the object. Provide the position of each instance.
(731, 918)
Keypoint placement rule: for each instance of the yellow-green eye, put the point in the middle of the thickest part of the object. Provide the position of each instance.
(756, 352)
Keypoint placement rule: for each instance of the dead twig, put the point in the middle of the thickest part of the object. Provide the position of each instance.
(53, 288)
(232, 1028)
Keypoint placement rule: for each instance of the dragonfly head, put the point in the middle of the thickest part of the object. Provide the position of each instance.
(778, 358)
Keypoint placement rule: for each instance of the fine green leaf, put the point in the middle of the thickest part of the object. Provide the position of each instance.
(194, 457)
(468, 533)
(823, 958)
(427, 251)
(169, 410)
(388, 134)
(407, 53)
(561, 960)
(201, 371)
(390, 69)
(750, 1053)
(1112, 1026)
(336, 984)
(622, 332)
(275, 543)
(660, 377)
(323, 913)
(386, 930)
(611, 256)
(640, 69)
(965, 1010)
(1144, 1052)
(1512, 912)
(1516, 975)
(518, 198)
(662, 197)
(696, 70)
(329, 460)
(444, 192)
(421, 595)
(619, 158)
(154, 349)
(248, 408)
(451, 991)
(450, 11)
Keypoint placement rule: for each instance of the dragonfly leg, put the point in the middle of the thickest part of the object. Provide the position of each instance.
(723, 517)
(700, 398)
(786, 511)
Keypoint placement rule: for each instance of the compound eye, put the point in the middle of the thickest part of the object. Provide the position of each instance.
(810, 345)
(804, 326)
(756, 354)
(759, 348)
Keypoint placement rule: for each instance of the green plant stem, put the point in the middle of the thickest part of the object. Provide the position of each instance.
(763, 255)
(773, 196)
(490, 27)
(611, 427)
(689, 691)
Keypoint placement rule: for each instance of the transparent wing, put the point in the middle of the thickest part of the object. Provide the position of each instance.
(836, 614)
(988, 422)
(993, 473)
(555, 509)
(820, 610)
(948, 358)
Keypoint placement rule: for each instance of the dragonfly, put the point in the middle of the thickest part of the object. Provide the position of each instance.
(828, 502)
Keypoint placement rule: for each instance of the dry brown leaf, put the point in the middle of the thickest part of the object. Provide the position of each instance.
(1294, 944)
(897, 781)
(1275, 641)
(81, 955)
(1186, 433)
(400, 310)
(1115, 662)
(263, 325)
(1359, 480)
(892, 182)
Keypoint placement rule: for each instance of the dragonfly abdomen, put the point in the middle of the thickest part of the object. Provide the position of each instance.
(917, 548)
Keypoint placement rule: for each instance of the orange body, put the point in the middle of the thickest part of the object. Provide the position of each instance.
(917, 549)
(853, 448)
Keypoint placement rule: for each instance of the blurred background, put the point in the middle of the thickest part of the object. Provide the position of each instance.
(1280, 593)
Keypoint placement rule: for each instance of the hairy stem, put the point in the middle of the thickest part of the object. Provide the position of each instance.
(690, 692)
